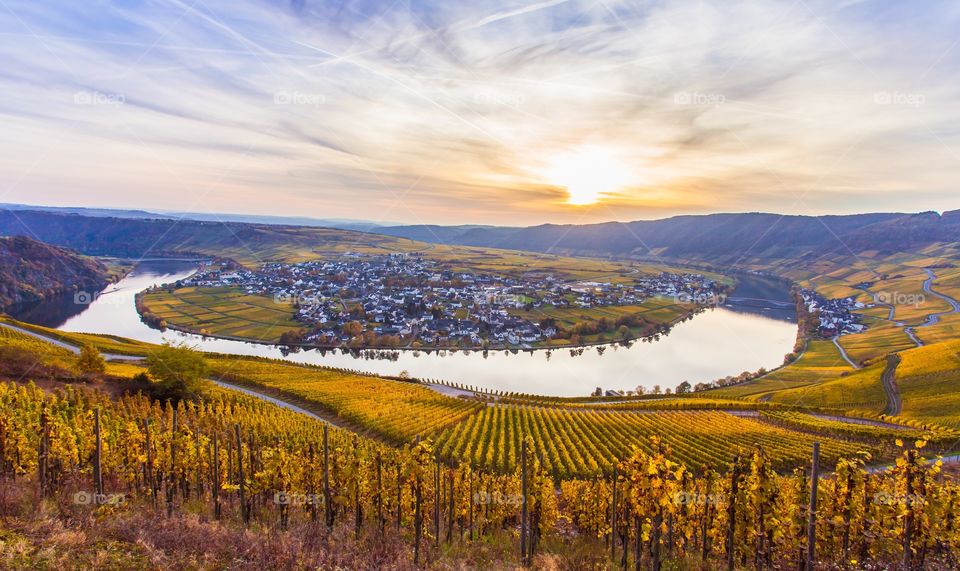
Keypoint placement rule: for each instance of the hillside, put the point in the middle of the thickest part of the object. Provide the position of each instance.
(137, 238)
(717, 237)
(31, 271)
(418, 480)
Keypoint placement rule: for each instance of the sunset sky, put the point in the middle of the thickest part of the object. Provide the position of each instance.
(518, 112)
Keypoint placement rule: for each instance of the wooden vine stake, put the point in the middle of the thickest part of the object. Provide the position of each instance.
(243, 490)
(217, 509)
(151, 476)
(44, 454)
(613, 518)
(172, 477)
(97, 456)
(732, 512)
(812, 511)
(327, 508)
(523, 504)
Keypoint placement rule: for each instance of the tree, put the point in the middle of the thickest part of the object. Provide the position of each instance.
(353, 328)
(91, 362)
(683, 388)
(177, 370)
(292, 336)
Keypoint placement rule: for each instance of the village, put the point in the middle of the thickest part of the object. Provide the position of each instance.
(836, 315)
(402, 299)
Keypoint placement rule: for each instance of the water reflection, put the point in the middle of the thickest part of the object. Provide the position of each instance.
(754, 329)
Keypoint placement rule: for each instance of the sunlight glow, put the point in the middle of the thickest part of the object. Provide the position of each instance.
(588, 174)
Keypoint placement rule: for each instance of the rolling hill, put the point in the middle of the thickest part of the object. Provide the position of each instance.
(32, 271)
(718, 237)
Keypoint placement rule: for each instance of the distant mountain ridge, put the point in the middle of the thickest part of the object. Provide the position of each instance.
(715, 236)
(142, 237)
(33, 271)
(340, 223)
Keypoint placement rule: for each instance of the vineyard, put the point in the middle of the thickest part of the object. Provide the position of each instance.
(587, 443)
(398, 411)
(252, 464)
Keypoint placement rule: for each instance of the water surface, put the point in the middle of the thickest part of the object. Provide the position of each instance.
(756, 328)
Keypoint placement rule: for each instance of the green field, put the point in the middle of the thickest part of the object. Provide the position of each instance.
(929, 382)
(223, 312)
(818, 363)
(882, 337)
(861, 390)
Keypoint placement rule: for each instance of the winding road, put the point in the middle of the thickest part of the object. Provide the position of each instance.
(894, 402)
(843, 352)
(72, 348)
(934, 318)
(931, 319)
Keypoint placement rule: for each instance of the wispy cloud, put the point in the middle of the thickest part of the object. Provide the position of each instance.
(446, 112)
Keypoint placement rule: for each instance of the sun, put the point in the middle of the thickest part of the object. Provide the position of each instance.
(588, 174)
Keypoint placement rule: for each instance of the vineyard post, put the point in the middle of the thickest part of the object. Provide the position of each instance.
(908, 519)
(172, 477)
(451, 488)
(523, 502)
(638, 541)
(327, 508)
(399, 495)
(198, 484)
(312, 490)
(380, 522)
(151, 479)
(732, 511)
(97, 455)
(215, 488)
(436, 500)
(472, 502)
(613, 518)
(44, 450)
(243, 490)
(704, 539)
(812, 512)
(417, 518)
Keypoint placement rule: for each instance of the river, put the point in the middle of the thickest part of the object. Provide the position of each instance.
(755, 328)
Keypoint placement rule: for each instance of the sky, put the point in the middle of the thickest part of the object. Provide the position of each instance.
(510, 113)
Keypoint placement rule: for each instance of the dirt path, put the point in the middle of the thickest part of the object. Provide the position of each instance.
(894, 403)
(69, 347)
(934, 318)
(273, 400)
(843, 353)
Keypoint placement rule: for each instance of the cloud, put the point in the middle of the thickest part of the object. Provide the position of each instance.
(447, 112)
